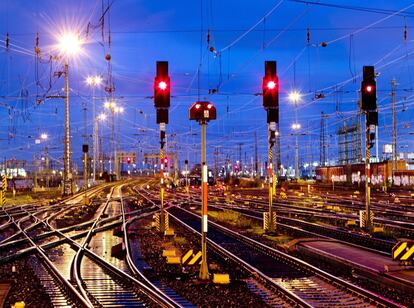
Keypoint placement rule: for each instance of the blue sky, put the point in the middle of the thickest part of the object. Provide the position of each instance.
(146, 31)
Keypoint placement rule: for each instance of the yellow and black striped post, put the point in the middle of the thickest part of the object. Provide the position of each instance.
(403, 251)
(367, 181)
(162, 214)
(3, 190)
(270, 226)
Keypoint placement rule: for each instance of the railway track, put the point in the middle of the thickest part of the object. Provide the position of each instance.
(294, 281)
(398, 216)
(309, 286)
(403, 228)
(99, 275)
(308, 229)
(104, 285)
(137, 265)
(60, 291)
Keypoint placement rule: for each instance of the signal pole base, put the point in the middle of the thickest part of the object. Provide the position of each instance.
(204, 271)
(269, 225)
(86, 200)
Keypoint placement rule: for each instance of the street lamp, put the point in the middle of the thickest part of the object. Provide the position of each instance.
(94, 81)
(43, 139)
(296, 127)
(100, 118)
(118, 111)
(294, 96)
(111, 105)
(69, 46)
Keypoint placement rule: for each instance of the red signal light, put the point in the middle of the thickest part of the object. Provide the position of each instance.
(162, 85)
(209, 106)
(369, 88)
(197, 106)
(165, 160)
(271, 85)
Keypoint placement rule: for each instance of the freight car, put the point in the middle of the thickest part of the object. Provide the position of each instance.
(381, 173)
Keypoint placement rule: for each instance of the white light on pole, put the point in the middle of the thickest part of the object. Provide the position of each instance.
(69, 46)
(294, 96)
(94, 81)
(296, 127)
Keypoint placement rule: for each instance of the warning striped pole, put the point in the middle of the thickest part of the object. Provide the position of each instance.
(367, 181)
(204, 210)
(3, 190)
(162, 215)
(271, 226)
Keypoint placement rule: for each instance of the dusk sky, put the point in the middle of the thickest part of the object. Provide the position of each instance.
(243, 35)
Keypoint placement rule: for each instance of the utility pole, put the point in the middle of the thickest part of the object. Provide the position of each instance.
(95, 145)
(394, 130)
(187, 188)
(47, 166)
(359, 141)
(94, 81)
(215, 161)
(113, 140)
(67, 154)
(240, 158)
(296, 127)
(118, 160)
(34, 171)
(322, 141)
(85, 147)
(256, 159)
(94, 137)
(101, 155)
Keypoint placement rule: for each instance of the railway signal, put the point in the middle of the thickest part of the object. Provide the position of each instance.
(162, 103)
(270, 88)
(368, 89)
(162, 86)
(203, 112)
(369, 107)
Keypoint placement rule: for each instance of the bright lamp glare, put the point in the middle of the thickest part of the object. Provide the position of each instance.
(70, 44)
(43, 136)
(369, 89)
(97, 80)
(89, 80)
(294, 96)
